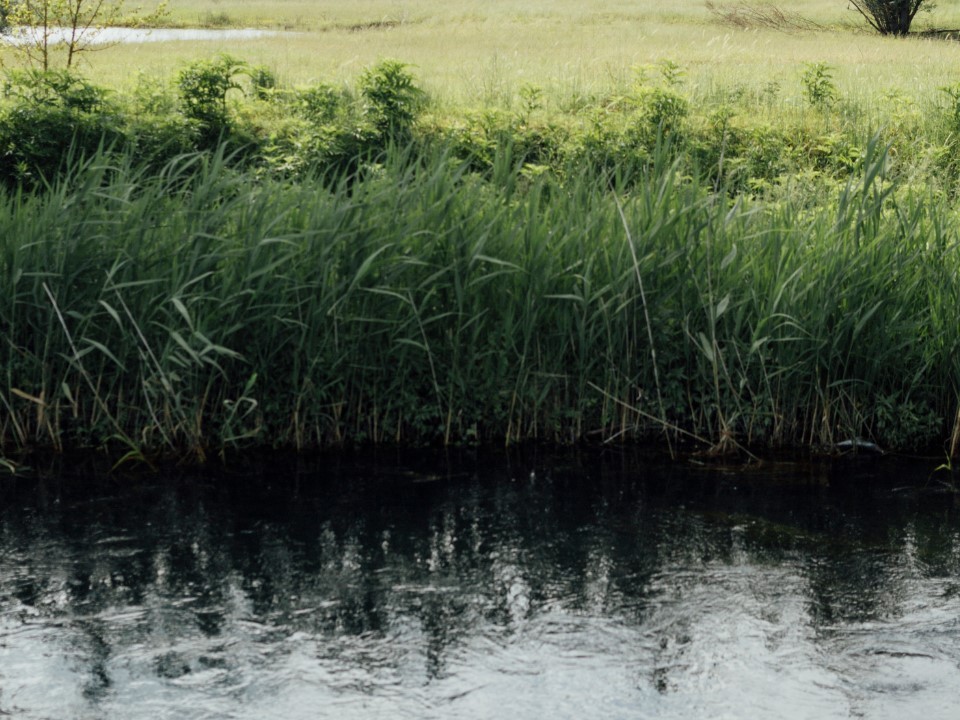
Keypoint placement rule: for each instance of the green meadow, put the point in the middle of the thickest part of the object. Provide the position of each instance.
(478, 53)
(722, 229)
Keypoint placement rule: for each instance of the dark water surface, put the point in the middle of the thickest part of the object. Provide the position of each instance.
(541, 586)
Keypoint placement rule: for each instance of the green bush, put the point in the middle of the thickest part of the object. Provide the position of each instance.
(203, 86)
(49, 117)
(818, 85)
(391, 97)
(320, 103)
(662, 110)
(264, 82)
(54, 88)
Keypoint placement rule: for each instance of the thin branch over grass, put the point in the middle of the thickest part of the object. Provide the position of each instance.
(751, 16)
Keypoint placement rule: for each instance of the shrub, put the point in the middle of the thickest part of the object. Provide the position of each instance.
(818, 85)
(391, 98)
(318, 103)
(54, 114)
(264, 82)
(890, 17)
(54, 88)
(203, 86)
(663, 109)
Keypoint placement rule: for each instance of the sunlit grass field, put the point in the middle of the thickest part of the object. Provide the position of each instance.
(482, 53)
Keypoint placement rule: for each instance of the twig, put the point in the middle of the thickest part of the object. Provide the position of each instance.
(746, 15)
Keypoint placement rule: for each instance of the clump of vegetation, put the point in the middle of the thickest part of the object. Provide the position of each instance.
(818, 84)
(890, 17)
(202, 307)
(391, 97)
(203, 87)
(222, 260)
(52, 117)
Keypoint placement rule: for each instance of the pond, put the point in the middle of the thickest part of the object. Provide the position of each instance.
(530, 585)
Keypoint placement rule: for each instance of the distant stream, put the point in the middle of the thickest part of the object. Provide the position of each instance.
(112, 36)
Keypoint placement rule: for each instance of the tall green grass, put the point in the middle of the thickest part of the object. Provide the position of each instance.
(200, 307)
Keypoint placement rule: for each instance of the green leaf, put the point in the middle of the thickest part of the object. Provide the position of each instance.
(729, 258)
(723, 305)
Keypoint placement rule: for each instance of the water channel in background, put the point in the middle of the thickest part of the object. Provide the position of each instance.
(118, 35)
(540, 585)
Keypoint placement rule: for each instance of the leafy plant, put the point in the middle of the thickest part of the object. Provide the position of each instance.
(203, 86)
(671, 72)
(818, 84)
(53, 88)
(264, 82)
(391, 96)
(663, 110)
(54, 114)
(531, 97)
(319, 103)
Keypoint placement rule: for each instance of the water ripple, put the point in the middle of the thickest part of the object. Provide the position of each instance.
(481, 599)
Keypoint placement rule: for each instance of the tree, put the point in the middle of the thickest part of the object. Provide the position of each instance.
(72, 26)
(891, 17)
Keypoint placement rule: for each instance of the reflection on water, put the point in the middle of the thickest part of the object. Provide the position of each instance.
(560, 586)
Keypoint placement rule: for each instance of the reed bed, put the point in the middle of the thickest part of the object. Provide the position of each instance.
(201, 307)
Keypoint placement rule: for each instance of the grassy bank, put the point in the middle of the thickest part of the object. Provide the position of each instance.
(232, 254)
(201, 307)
